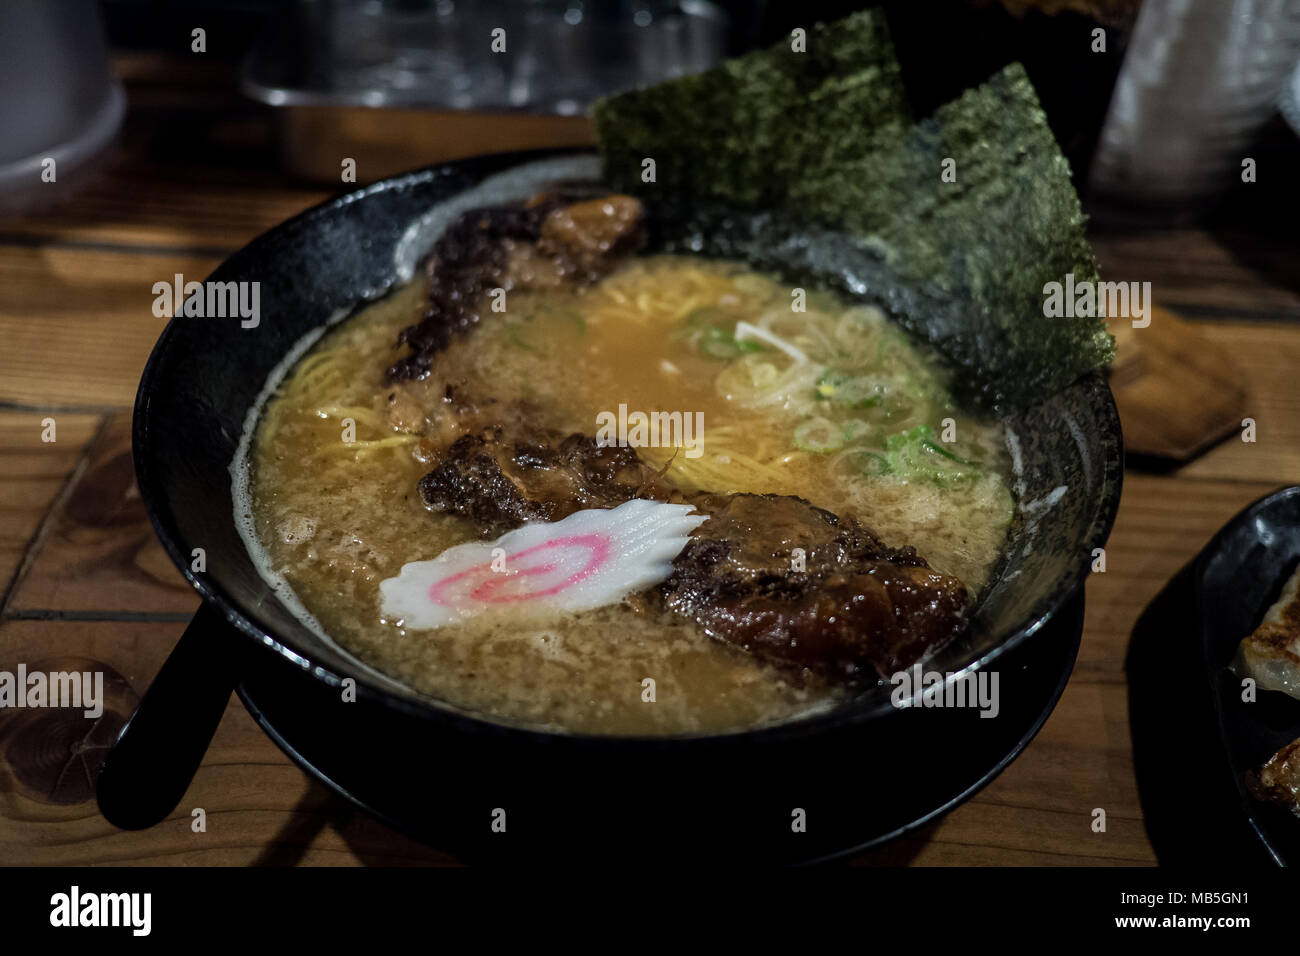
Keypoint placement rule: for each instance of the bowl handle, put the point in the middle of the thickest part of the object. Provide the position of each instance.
(150, 765)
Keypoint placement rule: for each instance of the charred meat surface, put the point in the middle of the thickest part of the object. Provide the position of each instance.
(503, 476)
(566, 236)
(1278, 780)
(848, 605)
(846, 602)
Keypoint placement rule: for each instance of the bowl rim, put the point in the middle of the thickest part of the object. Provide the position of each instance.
(163, 519)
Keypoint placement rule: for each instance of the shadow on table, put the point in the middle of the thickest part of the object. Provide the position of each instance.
(369, 840)
(375, 844)
(1189, 801)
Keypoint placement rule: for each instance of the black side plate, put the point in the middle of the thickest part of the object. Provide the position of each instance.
(1238, 576)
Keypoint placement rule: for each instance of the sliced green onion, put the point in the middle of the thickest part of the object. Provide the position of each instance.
(913, 453)
(819, 435)
(928, 445)
(854, 429)
(708, 330)
(718, 343)
(883, 467)
(854, 391)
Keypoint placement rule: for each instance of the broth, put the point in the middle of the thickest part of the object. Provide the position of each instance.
(831, 403)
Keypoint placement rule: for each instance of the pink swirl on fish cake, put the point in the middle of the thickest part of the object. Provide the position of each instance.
(482, 584)
(590, 559)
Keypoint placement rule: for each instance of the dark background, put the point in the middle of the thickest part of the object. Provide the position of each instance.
(944, 46)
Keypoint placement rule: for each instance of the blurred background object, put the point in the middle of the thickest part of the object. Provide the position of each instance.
(552, 56)
(1116, 13)
(1199, 82)
(60, 106)
(402, 83)
(1289, 105)
(398, 84)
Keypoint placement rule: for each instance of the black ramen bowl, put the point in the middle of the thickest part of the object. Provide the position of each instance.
(194, 402)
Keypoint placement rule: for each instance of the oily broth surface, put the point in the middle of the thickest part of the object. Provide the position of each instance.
(337, 518)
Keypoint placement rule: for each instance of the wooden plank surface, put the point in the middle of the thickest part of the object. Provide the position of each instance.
(79, 324)
(100, 553)
(86, 581)
(258, 807)
(33, 472)
(1197, 271)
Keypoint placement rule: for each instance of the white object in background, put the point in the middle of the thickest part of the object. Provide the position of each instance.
(1198, 82)
(60, 106)
(1290, 102)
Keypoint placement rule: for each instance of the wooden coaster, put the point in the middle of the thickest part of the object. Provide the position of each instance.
(1177, 392)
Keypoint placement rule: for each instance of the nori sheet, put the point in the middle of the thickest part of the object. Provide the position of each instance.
(746, 130)
(857, 202)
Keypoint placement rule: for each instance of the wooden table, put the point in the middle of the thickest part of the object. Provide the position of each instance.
(85, 580)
